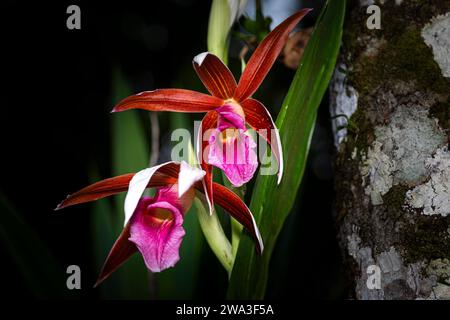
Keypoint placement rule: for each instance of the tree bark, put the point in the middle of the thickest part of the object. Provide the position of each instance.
(392, 157)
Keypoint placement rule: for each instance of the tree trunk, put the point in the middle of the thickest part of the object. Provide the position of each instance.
(393, 159)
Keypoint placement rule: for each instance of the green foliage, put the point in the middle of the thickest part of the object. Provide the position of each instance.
(218, 29)
(256, 29)
(271, 203)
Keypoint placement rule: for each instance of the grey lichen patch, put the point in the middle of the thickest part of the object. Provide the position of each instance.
(409, 139)
(440, 269)
(436, 35)
(440, 292)
(343, 103)
(376, 172)
(400, 151)
(433, 196)
(401, 120)
(397, 279)
(439, 272)
(390, 261)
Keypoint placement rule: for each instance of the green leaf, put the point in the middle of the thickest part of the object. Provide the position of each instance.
(219, 26)
(271, 203)
(41, 272)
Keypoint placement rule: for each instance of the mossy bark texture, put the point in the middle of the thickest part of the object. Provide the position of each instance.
(390, 102)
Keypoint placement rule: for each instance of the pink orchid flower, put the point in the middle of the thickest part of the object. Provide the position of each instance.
(154, 225)
(228, 109)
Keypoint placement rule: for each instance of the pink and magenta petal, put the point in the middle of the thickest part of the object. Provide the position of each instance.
(209, 122)
(230, 116)
(156, 229)
(233, 151)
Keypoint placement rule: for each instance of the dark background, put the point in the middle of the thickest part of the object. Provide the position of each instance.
(55, 122)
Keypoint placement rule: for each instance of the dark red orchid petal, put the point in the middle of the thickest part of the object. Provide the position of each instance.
(165, 175)
(209, 122)
(215, 75)
(265, 55)
(119, 253)
(259, 118)
(177, 100)
(238, 210)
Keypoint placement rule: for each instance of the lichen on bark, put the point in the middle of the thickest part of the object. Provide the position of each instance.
(395, 153)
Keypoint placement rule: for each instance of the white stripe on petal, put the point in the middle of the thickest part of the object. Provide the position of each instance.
(279, 147)
(136, 188)
(208, 200)
(258, 234)
(280, 151)
(198, 59)
(187, 177)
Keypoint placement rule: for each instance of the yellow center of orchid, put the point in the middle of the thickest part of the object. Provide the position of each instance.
(229, 134)
(236, 107)
(159, 215)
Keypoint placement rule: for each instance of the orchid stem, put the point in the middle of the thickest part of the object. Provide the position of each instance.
(236, 231)
(212, 229)
(211, 226)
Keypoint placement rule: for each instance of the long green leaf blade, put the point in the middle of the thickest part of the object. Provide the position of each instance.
(271, 203)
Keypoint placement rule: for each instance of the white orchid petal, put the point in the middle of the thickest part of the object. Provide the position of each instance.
(187, 177)
(198, 59)
(136, 188)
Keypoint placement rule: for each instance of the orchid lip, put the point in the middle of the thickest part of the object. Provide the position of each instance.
(156, 230)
